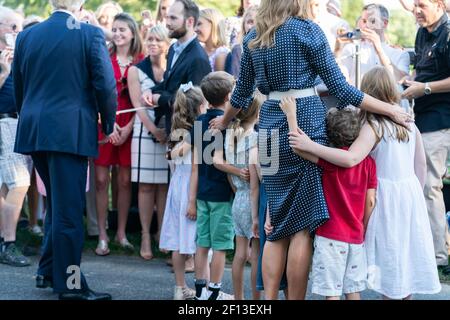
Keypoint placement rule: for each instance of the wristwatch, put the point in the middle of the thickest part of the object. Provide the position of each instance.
(427, 89)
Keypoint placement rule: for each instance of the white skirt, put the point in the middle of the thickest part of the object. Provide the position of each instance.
(148, 158)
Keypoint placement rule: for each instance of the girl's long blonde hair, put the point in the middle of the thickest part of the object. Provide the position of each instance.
(274, 13)
(380, 84)
(243, 117)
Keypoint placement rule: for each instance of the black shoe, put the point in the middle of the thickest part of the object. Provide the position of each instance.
(86, 295)
(445, 270)
(12, 256)
(43, 282)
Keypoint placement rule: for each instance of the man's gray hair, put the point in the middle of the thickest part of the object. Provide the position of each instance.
(384, 12)
(6, 12)
(69, 5)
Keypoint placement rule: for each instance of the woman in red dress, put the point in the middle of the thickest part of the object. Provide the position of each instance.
(126, 50)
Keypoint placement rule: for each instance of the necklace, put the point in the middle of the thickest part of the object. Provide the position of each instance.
(124, 65)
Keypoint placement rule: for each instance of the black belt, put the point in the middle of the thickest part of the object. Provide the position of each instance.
(13, 115)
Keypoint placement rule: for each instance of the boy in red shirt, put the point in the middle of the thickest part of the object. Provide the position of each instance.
(339, 261)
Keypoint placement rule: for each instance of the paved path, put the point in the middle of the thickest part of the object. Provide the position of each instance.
(128, 278)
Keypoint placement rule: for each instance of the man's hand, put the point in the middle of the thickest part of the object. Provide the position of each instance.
(6, 58)
(147, 98)
(415, 90)
(373, 37)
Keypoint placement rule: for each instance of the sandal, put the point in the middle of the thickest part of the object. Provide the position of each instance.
(146, 247)
(125, 244)
(102, 248)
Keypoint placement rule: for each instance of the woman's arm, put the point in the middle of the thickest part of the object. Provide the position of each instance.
(357, 152)
(134, 88)
(420, 161)
(326, 67)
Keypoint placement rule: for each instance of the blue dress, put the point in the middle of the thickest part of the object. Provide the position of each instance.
(300, 54)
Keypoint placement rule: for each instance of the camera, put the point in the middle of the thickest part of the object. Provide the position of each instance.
(352, 35)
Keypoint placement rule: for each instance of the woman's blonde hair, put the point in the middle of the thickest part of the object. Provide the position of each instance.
(160, 31)
(247, 13)
(159, 17)
(274, 13)
(101, 10)
(380, 84)
(218, 27)
(245, 116)
(186, 109)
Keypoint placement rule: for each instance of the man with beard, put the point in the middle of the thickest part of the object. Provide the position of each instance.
(187, 60)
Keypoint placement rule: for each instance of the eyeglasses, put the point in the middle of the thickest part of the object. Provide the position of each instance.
(13, 26)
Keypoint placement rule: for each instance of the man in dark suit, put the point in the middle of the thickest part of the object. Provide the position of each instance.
(187, 61)
(62, 79)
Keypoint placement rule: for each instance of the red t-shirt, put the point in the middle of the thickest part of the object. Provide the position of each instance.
(345, 193)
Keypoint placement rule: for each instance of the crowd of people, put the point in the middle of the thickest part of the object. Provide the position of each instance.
(251, 133)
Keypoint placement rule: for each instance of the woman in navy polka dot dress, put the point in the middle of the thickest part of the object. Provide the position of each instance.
(287, 51)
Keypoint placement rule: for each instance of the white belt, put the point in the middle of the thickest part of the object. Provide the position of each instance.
(294, 93)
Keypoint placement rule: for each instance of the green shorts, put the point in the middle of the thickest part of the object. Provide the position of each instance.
(215, 225)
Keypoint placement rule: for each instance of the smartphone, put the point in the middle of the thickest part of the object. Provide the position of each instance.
(10, 40)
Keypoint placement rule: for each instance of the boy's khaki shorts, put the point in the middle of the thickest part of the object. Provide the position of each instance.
(215, 225)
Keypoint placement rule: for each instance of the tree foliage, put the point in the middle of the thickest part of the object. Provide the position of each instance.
(401, 31)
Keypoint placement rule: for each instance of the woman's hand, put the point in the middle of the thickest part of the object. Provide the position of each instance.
(124, 133)
(147, 98)
(299, 141)
(401, 116)
(268, 228)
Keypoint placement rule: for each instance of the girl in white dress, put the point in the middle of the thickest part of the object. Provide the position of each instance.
(178, 230)
(398, 240)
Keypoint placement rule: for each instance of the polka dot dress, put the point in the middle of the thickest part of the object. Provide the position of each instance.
(300, 54)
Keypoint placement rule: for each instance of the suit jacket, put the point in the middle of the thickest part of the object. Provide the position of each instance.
(192, 65)
(63, 78)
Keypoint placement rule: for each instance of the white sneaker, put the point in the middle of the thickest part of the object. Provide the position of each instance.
(183, 293)
(204, 295)
(225, 296)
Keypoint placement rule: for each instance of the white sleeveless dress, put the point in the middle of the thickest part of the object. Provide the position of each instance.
(178, 232)
(399, 241)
